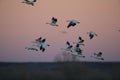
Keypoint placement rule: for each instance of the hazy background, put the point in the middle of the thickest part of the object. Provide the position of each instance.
(21, 23)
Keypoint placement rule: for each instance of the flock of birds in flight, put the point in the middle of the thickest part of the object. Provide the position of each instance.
(75, 51)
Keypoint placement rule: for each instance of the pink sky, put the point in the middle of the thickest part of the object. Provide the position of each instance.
(21, 23)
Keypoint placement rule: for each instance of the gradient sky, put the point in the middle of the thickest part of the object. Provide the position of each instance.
(21, 23)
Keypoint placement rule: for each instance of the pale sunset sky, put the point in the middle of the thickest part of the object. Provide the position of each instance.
(21, 23)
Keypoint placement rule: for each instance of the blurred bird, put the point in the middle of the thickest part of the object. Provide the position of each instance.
(29, 2)
(68, 46)
(43, 45)
(37, 42)
(77, 51)
(79, 41)
(98, 56)
(72, 23)
(40, 43)
(53, 22)
(91, 34)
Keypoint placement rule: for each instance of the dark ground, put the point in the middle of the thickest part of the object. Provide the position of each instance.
(60, 71)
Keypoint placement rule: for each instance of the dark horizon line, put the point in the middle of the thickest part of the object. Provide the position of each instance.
(60, 62)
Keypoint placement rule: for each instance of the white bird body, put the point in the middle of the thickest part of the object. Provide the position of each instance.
(44, 45)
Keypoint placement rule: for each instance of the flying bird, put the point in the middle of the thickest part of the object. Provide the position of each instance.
(79, 41)
(91, 34)
(43, 45)
(77, 51)
(98, 56)
(68, 47)
(72, 23)
(53, 22)
(37, 42)
(29, 2)
(40, 43)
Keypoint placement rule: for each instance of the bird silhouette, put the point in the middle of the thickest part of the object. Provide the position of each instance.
(53, 22)
(79, 41)
(77, 51)
(91, 34)
(72, 23)
(98, 56)
(43, 45)
(29, 2)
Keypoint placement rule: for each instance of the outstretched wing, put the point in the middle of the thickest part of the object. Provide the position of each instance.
(80, 40)
(67, 44)
(31, 48)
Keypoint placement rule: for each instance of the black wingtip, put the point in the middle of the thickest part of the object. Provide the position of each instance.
(77, 45)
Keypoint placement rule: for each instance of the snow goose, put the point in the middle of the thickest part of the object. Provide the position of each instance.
(72, 23)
